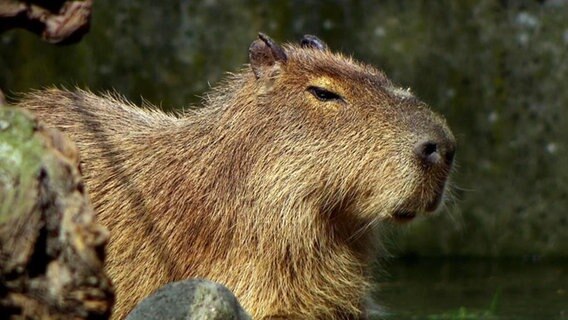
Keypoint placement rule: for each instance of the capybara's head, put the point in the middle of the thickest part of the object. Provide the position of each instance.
(340, 134)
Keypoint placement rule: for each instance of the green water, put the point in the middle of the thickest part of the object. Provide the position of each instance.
(473, 289)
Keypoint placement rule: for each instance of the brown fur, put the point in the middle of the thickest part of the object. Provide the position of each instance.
(265, 189)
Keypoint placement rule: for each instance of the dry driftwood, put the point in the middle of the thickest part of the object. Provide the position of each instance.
(51, 249)
(60, 22)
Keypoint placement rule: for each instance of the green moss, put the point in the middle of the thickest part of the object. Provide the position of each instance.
(20, 160)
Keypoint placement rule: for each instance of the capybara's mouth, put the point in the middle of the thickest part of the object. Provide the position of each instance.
(403, 216)
(407, 215)
(438, 198)
(435, 203)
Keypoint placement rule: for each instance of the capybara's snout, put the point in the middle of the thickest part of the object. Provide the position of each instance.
(436, 148)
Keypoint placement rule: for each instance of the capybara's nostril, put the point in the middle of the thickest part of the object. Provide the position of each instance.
(432, 152)
(428, 152)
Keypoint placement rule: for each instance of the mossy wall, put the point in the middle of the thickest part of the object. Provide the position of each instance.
(498, 71)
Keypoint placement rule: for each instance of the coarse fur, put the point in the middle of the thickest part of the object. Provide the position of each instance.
(267, 189)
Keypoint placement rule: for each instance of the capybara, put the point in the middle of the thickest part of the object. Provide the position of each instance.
(275, 187)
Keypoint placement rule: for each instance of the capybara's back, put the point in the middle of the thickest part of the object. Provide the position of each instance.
(274, 188)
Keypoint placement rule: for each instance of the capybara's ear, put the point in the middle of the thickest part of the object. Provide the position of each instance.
(264, 53)
(310, 41)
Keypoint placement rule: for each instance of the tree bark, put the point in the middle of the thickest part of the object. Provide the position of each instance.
(60, 22)
(51, 248)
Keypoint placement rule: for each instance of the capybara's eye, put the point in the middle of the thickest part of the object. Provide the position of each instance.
(323, 94)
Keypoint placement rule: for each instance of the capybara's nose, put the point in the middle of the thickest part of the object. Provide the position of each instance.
(437, 151)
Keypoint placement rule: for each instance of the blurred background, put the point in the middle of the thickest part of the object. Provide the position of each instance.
(498, 71)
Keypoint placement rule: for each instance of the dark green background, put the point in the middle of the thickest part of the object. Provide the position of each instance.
(498, 70)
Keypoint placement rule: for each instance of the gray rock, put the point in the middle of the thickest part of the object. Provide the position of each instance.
(190, 299)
